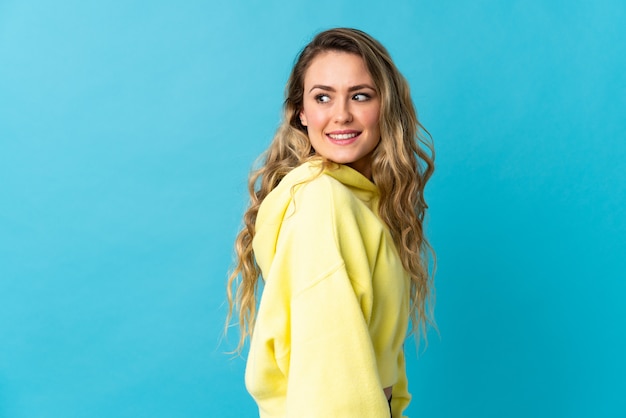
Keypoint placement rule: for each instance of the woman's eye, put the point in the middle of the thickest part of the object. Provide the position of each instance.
(361, 97)
(322, 98)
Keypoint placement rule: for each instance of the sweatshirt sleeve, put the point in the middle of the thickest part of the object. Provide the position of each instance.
(400, 394)
(332, 365)
(332, 369)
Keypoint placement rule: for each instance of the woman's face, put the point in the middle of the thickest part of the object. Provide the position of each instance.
(341, 109)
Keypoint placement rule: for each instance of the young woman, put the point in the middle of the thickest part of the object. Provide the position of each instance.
(335, 230)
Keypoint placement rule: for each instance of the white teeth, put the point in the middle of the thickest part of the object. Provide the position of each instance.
(342, 136)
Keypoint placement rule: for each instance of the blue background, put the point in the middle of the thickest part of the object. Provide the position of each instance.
(127, 130)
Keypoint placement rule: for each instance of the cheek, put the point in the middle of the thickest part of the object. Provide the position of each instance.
(315, 120)
(370, 118)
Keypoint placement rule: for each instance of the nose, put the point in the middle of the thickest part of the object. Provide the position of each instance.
(342, 113)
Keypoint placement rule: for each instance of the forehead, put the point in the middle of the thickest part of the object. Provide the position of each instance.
(333, 68)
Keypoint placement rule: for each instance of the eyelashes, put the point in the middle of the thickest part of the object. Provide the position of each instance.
(322, 98)
(361, 97)
(358, 97)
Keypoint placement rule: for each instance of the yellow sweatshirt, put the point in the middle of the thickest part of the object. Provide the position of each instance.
(333, 315)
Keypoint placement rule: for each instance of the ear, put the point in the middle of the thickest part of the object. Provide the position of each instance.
(303, 120)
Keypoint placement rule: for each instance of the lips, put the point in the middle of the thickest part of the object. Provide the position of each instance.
(343, 137)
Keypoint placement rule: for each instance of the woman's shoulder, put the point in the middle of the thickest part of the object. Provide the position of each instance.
(309, 178)
(306, 189)
(312, 188)
(328, 176)
(306, 171)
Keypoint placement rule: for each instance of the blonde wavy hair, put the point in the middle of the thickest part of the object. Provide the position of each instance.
(402, 163)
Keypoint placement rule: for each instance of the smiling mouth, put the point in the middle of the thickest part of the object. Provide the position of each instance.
(343, 137)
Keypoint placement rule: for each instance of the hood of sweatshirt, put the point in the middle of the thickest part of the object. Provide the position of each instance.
(276, 204)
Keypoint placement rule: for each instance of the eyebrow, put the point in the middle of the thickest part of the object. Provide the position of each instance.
(351, 89)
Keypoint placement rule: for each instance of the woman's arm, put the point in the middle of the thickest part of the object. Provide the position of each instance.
(332, 365)
(312, 353)
(332, 370)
